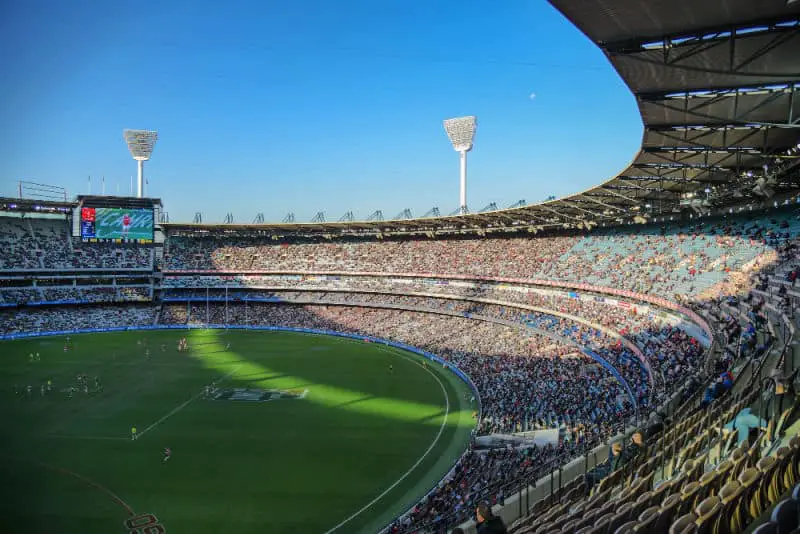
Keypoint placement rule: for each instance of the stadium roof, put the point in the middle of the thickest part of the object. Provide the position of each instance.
(716, 82)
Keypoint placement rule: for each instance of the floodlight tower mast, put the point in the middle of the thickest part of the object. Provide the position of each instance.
(141, 144)
(461, 132)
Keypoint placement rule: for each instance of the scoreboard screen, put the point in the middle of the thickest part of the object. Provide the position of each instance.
(117, 225)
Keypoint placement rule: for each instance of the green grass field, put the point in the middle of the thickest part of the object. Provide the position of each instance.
(361, 446)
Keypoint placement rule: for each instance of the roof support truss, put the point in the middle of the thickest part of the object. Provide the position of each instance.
(692, 103)
(558, 213)
(693, 135)
(572, 203)
(677, 47)
(591, 198)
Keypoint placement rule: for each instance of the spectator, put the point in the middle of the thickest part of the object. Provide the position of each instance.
(637, 447)
(616, 459)
(488, 523)
(655, 424)
(721, 385)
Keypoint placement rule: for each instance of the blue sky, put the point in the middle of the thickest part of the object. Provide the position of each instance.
(308, 106)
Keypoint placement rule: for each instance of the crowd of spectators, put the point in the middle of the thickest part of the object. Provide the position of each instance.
(682, 260)
(74, 294)
(19, 295)
(134, 293)
(508, 256)
(74, 318)
(47, 244)
(51, 294)
(99, 293)
(482, 477)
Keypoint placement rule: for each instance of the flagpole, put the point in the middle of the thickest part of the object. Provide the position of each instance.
(90, 184)
(103, 186)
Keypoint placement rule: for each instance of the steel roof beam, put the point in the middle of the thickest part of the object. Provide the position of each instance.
(591, 198)
(741, 116)
(569, 202)
(611, 189)
(711, 35)
(564, 215)
(701, 150)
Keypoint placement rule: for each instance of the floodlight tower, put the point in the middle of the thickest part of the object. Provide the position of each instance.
(141, 144)
(461, 131)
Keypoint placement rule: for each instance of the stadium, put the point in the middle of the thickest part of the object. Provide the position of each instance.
(622, 359)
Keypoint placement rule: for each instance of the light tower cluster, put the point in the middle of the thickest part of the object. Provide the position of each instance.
(461, 132)
(141, 144)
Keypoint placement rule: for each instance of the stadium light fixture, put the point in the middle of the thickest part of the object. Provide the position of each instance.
(141, 144)
(461, 132)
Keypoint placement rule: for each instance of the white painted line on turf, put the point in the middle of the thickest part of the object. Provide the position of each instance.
(181, 406)
(413, 467)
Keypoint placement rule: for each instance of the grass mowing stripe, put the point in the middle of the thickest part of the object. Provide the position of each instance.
(182, 406)
(95, 438)
(419, 460)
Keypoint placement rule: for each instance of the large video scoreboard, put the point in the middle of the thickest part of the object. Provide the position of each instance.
(103, 221)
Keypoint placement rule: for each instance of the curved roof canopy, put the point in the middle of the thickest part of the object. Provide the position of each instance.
(716, 82)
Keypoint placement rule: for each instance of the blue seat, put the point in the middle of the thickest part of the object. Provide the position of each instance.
(796, 493)
(784, 515)
(766, 528)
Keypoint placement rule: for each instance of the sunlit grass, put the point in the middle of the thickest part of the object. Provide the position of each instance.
(215, 356)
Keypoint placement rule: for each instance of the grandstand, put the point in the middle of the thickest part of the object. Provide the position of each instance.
(660, 302)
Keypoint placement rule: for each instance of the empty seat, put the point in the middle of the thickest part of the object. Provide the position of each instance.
(784, 515)
(708, 514)
(684, 524)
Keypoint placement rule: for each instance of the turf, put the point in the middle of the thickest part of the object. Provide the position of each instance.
(290, 465)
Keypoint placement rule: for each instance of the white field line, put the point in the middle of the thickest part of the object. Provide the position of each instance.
(182, 406)
(416, 464)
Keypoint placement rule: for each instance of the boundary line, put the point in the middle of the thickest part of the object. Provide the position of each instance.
(89, 482)
(419, 460)
(93, 484)
(181, 406)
